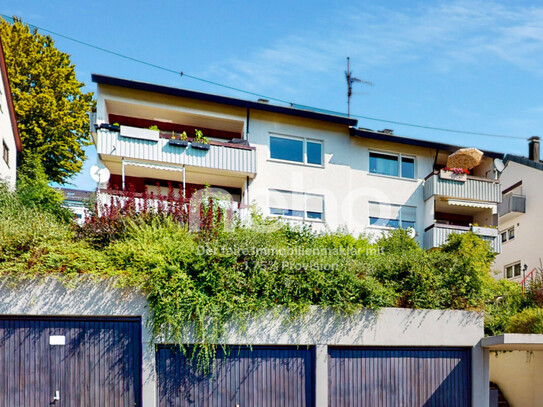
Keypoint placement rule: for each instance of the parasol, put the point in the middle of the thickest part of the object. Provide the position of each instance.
(466, 158)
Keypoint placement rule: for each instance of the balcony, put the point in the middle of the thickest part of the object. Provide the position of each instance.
(472, 189)
(106, 198)
(154, 146)
(437, 234)
(511, 206)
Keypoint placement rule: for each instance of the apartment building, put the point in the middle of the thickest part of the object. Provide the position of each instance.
(302, 165)
(520, 217)
(9, 133)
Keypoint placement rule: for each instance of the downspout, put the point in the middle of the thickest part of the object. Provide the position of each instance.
(247, 124)
(184, 195)
(122, 171)
(435, 160)
(247, 191)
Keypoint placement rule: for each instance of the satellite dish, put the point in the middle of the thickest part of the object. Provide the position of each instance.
(100, 173)
(499, 165)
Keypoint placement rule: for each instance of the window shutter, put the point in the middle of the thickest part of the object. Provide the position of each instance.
(315, 203)
(384, 211)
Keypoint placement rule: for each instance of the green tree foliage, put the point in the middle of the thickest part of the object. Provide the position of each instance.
(50, 107)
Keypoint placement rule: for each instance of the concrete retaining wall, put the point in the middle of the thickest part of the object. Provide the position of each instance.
(386, 327)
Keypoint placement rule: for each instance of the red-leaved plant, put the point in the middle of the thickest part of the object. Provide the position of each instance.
(114, 209)
(457, 171)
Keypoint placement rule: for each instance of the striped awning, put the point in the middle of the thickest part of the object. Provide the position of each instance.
(155, 166)
(472, 204)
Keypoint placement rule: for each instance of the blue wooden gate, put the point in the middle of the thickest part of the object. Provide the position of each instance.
(399, 377)
(245, 377)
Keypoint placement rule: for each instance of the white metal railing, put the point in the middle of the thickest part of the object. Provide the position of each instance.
(220, 156)
(437, 235)
(474, 188)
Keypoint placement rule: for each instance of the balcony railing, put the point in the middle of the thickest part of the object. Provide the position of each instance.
(106, 198)
(512, 205)
(220, 156)
(473, 188)
(437, 234)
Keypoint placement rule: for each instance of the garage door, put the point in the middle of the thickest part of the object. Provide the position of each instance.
(66, 362)
(246, 377)
(396, 377)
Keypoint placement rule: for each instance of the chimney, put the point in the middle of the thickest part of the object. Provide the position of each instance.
(533, 148)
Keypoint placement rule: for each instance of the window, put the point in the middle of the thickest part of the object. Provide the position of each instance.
(512, 270)
(299, 150)
(5, 152)
(395, 165)
(296, 205)
(392, 216)
(507, 235)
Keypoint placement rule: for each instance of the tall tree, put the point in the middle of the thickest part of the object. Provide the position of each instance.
(50, 107)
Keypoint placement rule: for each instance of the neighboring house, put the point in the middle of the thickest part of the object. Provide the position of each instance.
(9, 133)
(77, 201)
(303, 165)
(520, 220)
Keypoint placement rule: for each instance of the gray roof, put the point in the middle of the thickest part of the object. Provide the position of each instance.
(523, 161)
(71, 194)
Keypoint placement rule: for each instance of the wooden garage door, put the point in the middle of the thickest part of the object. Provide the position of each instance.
(399, 377)
(89, 362)
(246, 377)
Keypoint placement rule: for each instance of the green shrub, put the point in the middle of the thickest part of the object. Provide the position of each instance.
(506, 300)
(24, 228)
(33, 190)
(529, 321)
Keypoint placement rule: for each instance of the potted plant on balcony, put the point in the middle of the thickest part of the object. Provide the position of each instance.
(178, 140)
(200, 142)
(111, 127)
(454, 174)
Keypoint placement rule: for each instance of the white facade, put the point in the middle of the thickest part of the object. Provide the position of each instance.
(328, 185)
(9, 136)
(522, 246)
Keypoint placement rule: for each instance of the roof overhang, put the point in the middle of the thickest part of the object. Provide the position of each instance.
(225, 100)
(529, 342)
(377, 135)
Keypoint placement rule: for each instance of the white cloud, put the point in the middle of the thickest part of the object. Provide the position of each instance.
(445, 37)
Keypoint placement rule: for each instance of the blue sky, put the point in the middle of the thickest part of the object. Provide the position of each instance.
(469, 65)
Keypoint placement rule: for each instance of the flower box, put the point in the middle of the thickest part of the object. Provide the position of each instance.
(200, 146)
(108, 126)
(139, 133)
(449, 175)
(484, 231)
(178, 143)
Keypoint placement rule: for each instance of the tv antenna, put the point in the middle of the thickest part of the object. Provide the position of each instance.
(350, 80)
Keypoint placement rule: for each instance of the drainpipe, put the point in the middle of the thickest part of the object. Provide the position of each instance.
(435, 160)
(184, 196)
(122, 171)
(247, 124)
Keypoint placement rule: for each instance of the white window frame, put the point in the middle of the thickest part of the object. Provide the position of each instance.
(399, 156)
(400, 219)
(304, 141)
(512, 265)
(304, 218)
(507, 234)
